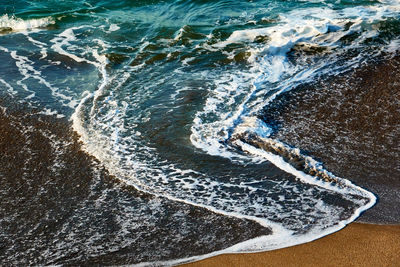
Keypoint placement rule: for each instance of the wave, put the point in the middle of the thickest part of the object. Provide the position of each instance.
(192, 133)
(14, 24)
(227, 126)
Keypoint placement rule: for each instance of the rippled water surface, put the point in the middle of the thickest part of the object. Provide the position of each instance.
(155, 132)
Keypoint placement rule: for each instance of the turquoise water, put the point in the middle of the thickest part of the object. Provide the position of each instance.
(168, 96)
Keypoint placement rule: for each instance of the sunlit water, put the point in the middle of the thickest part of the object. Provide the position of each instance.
(169, 96)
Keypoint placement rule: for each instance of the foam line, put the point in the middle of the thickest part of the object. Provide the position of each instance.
(9, 87)
(64, 39)
(231, 109)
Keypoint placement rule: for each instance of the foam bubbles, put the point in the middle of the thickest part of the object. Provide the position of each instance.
(227, 125)
(12, 23)
(169, 128)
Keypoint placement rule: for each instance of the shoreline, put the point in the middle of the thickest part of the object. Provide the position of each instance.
(350, 124)
(358, 244)
(341, 244)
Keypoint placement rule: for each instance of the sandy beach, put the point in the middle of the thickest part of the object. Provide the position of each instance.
(156, 133)
(356, 245)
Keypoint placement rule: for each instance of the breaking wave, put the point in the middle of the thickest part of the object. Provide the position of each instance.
(14, 24)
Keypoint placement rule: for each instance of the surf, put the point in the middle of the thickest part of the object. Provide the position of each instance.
(174, 108)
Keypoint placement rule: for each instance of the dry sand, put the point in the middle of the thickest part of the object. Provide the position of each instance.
(356, 245)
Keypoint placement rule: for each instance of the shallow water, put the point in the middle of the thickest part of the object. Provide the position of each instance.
(354, 130)
(174, 100)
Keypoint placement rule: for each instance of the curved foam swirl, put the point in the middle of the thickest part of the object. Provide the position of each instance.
(300, 204)
(177, 106)
(111, 128)
(12, 23)
(247, 138)
(305, 44)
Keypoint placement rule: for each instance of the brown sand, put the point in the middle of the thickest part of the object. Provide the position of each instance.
(350, 123)
(356, 245)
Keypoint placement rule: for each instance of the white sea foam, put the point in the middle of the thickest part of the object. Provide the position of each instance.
(64, 39)
(394, 46)
(111, 135)
(12, 23)
(319, 27)
(36, 74)
(108, 123)
(28, 71)
(10, 89)
(113, 28)
(39, 44)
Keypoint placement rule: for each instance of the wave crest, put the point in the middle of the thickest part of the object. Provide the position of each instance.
(13, 24)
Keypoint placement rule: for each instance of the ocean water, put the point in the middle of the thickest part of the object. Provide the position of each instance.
(153, 132)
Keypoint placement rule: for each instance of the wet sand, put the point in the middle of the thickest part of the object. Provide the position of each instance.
(59, 206)
(356, 245)
(357, 139)
(351, 124)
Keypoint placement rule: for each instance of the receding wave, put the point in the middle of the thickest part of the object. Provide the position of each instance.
(225, 126)
(173, 107)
